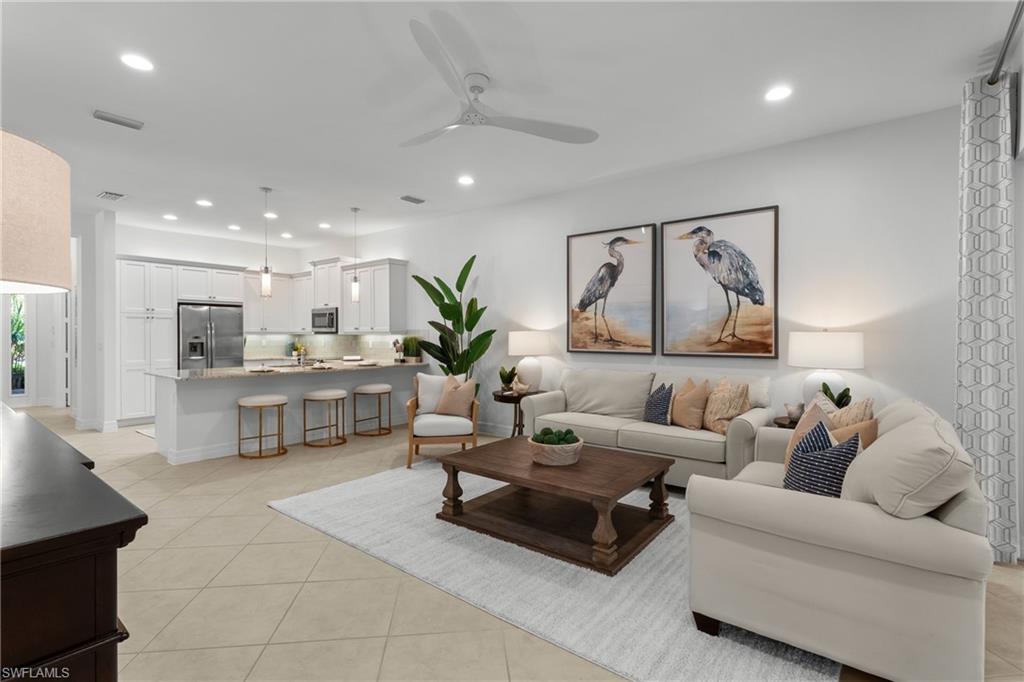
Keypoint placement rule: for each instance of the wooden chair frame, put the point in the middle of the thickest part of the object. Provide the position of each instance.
(416, 441)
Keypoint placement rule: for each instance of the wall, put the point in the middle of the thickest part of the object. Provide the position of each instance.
(867, 241)
(138, 241)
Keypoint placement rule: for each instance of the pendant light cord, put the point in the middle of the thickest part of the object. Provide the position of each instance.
(266, 226)
(355, 233)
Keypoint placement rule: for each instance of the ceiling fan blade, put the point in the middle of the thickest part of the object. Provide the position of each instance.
(427, 137)
(435, 53)
(559, 132)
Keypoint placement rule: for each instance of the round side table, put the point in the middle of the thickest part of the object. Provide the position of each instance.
(785, 422)
(515, 400)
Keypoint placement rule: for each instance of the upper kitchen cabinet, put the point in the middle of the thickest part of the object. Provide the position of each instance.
(381, 304)
(227, 286)
(147, 288)
(210, 284)
(302, 302)
(327, 284)
(275, 314)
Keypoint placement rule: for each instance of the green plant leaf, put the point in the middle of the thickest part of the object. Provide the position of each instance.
(450, 311)
(479, 345)
(442, 329)
(435, 351)
(473, 320)
(460, 283)
(435, 296)
(448, 293)
(828, 392)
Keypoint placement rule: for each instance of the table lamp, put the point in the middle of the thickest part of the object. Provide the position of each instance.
(528, 344)
(825, 351)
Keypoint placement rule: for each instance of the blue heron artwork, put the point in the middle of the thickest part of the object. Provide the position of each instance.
(720, 284)
(611, 290)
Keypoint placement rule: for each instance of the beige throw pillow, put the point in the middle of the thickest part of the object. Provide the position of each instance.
(812, 415)
(854, 413)
(457, 397)
(867, 430)
(725, 403)
(689, 404)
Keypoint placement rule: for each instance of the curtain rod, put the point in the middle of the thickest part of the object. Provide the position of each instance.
(993, 77)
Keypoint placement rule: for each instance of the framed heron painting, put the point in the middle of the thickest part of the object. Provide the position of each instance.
(720, 284)
(610, 285)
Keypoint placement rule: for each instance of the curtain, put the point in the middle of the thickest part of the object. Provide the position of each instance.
(986, 395)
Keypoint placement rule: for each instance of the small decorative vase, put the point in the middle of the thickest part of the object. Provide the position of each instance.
(794, 412)
(519, 388)
(555, 455)
(506, 388)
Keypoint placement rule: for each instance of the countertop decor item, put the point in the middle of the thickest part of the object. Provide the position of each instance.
(528, 344)
(555, 448)
(514, 399)
(35, 219)
(825, 351)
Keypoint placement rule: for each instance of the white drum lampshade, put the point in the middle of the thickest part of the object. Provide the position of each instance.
(824, 351)
(35, 218)
(528, 344)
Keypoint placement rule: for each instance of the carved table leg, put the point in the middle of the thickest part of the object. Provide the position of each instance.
(659, 497)
(605, 551)
(452, 491)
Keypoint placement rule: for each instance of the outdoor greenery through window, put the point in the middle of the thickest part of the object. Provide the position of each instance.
(17, 344)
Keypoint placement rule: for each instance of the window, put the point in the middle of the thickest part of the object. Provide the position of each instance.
(17, 347)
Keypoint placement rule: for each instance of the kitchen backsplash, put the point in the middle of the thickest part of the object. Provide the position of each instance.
(267, 346)
(326, 346)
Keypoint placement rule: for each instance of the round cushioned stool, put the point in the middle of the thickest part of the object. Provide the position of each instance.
(379, 390)
(260, 403)
(326, 396)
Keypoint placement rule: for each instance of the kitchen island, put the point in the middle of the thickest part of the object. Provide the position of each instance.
(197, 410)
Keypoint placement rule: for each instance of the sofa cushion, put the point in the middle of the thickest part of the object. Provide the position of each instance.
(658, 404)
(673, 440)
(727, 401)
(763, 473)
(607, 392)
(759, 393)
(912, 469)
(594, 429)
(900, 412)
(688, 406)
(441, 425)
(820, 470)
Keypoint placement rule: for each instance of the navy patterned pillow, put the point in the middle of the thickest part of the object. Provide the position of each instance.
(818, 465)
(659, 402)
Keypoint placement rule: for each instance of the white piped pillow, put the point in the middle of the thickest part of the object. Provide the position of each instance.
(428, 391)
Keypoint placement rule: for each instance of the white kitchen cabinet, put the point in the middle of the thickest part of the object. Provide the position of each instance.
(193, 283)
(132, 286)
(327, 285)
(210, 284)
(381, 305)
(268, 315)
(145, 287)
(302, 303)
(161, 289)
(252, 304)
(134, 346)
(227, 286)
(349, 309)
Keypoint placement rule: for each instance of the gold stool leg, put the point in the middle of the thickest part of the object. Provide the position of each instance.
(261, 433)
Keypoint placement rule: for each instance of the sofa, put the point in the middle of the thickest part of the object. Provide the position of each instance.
(606, 408)
(902, 598)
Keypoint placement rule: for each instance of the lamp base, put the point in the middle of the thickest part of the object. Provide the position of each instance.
(814, 380)
(530, 372)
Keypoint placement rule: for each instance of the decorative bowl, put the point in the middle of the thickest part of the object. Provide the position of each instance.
(555, 455)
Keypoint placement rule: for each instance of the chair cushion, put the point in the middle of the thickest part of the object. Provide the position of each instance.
(607, 392)
(594, 429)
(673, 440)
(327, 394)
(263, 400)
(763, 473)
(426, 425)
(428, 389)
(372, 389)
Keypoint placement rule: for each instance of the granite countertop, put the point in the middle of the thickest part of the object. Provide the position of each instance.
(287, 370)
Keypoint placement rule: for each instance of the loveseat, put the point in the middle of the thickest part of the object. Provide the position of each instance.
(606, 408)
(882, 587)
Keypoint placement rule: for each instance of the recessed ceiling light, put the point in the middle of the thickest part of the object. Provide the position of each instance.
(777, 93)
(324, 226)
(466, 180)
(235, 228)
(286, 235)
(205, 203)
(170, 216)
(270, 215)
(137, 62)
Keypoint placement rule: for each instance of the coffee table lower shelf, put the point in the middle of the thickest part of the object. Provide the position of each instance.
(559, 527)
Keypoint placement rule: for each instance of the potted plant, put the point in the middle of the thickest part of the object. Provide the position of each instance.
(411, 348)
(555, 448)
(507, 377)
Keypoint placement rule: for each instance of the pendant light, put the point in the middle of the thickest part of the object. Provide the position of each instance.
(266, 280)
(355, 256)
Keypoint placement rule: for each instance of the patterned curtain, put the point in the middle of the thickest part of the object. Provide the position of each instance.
(986, 396)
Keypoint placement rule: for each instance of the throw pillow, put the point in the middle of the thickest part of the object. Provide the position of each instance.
(867, 430)
(457, 397)
(428, 389)
(854, 413)
(658, 403)
(725, 403)
(812, 416)
(820, 472)
(688, 408)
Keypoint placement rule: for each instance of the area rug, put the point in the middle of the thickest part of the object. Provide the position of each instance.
(636, 624)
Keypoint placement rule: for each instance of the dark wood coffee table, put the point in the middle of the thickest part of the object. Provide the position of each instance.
(571, 513)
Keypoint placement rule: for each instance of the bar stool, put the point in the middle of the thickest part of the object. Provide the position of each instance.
(378, 390)
(326, 396)
(261, 402)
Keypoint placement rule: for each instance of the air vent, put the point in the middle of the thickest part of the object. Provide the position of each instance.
(110, 196)
(117, 119)
(412, 200)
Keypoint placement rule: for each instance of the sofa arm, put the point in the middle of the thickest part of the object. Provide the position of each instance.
(739, 439)
(540, 404)
(770, 444)
(844, 525)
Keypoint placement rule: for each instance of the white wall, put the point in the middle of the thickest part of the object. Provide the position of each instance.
(138, 241)
(867, 241)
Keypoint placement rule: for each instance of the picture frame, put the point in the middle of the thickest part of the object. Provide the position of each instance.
(613, 270)
(721, 302)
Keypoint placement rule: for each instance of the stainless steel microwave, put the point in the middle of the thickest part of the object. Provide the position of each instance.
(325, 321)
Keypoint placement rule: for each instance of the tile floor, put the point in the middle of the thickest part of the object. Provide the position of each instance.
(220, 587)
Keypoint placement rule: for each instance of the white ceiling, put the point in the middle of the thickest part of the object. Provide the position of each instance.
(313, 99)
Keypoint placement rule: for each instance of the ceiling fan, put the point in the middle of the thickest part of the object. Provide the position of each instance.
(474, 112)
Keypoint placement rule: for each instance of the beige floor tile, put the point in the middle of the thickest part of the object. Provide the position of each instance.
(227, 616)
(532, 658)
(1006, 581)
(230, 663)
(123, 660)
(342, 562)
(1019, 677)
(144, 502)
(476, 656)
(1004, 628)
(187, 505)
(262, 564)
(154, 486)
(341, 609)
(221, 483)
(177, 568)
(146, 613)
(213, 531)
(996, 667)
(284, 529)
(345, 659)
(127, 559)
(159, 531)
(422, 609)
(245, 503)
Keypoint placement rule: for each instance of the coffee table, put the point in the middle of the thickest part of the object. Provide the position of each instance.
(570, 513)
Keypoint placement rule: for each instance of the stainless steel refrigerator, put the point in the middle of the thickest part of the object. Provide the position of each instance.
(209, 336)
